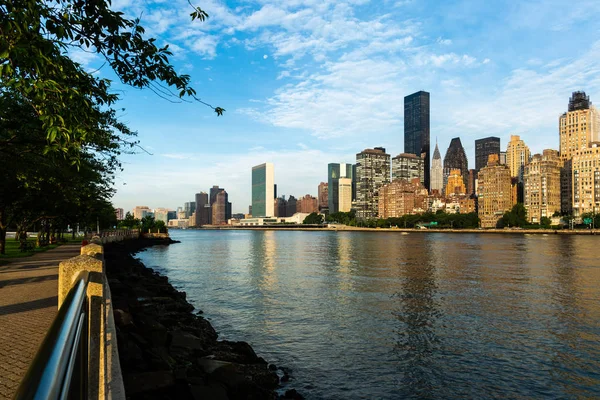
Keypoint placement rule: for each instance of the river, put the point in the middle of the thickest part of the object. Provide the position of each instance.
(385, 315)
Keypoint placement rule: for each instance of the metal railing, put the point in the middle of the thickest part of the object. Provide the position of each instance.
(60, 368)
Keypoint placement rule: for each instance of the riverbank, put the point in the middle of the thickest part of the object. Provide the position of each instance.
(169, 352)
(345, 228)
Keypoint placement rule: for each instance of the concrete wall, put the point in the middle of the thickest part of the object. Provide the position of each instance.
(104, 371)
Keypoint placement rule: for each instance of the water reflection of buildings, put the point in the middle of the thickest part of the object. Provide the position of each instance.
(418, 344)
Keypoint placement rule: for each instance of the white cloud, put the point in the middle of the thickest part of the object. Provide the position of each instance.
(265, 57)
(445, 42)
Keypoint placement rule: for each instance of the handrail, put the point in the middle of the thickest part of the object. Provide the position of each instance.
(65, 345)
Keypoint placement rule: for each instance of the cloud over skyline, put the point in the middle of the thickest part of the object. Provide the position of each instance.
(332, 76)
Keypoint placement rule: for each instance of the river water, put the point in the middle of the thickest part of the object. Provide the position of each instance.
(387, 315)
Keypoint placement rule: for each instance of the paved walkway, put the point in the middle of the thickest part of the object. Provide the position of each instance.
(28, 305)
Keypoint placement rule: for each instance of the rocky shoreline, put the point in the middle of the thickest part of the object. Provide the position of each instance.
(169, 352)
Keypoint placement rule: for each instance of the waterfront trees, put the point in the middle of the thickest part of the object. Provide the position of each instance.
(313, 218)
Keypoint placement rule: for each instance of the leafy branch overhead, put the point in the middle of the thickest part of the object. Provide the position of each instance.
(35, 37)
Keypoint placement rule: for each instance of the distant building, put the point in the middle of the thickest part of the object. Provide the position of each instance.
(120, 214)
(586, 180)
(171, 215)
(238, 216)
(290, 208)
(402, 197)
(408, 166)
(437, 171)
(202, 209)
(417, 129)
(335, 172)
(189, 208)
(213, 193)
(494, 192)
(455, 184)
(219, 208)
(484, 148)
(517, 156)
(323, 195)
(161, 214)
(372, 172)
(140, 212)
(280, 207)
(263, 190)
(182, 223)
(542, 185)
(579, 126)
(502, 158)
(307, 205)
(471, 182)
(456, 158)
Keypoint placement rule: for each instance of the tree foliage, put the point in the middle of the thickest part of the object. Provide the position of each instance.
(313, 219)
(516, 217)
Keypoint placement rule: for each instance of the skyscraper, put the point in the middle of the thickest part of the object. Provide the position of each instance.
(483, 148)
(494, 192)
(408, 166)
(456, 158)
(542, 186)
(323, 195)
(219, 208)
(335, 172)
(579, 126)
(372, 172)
(517, 156)
(202, 209)
(437, 171)
(586, 180)
(263, 190)
(455, 184)
(416, 129)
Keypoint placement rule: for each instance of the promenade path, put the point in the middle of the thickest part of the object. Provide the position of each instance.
(28, 305)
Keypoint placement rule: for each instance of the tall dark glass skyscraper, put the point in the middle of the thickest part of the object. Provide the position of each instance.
(484, 148)
(416, 129)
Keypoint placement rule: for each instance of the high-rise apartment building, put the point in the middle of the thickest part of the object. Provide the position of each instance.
(471, 182)
(219, 208)
(291, 206)
(372, 172)
(586, 180)
(140, 212)
(335, 172)
(202, 212)
(484, 148)
(161, 214)
(189, 208)
(437, 171)
(456, 158)
(494, 192)
(408, 166)
(402, 197)
(307, 204)
(323, 195)
(417, 130)
(579, 126)
(517, 156)
(455, 184)
(120, 214)
(263, 190)
(542, 185)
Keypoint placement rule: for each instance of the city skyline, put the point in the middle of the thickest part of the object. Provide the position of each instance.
(310, 103)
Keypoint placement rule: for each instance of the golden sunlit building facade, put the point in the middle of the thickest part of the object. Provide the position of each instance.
(542, 186)
(402, 197)
(586, 180)
(517, 156)
(494, 191)
(455, 184)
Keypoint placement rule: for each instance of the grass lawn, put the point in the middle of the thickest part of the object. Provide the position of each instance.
(13, 250)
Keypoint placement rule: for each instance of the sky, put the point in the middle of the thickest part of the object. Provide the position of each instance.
(307, 83)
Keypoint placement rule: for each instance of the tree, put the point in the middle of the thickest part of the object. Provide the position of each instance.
(129, 222)
(35, 37)
(546, 222)
(313, 219)
(516, 217)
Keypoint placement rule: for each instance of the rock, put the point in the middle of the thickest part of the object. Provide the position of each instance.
(147, 381)
(210, 365)
(214, 391)
(185, 340)
(292, 394)
(122, 318)
(272, 367)
(153, 330)
(160, 358)
(285, 377)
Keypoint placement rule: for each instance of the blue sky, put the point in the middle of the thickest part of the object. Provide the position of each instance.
(306, 83)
